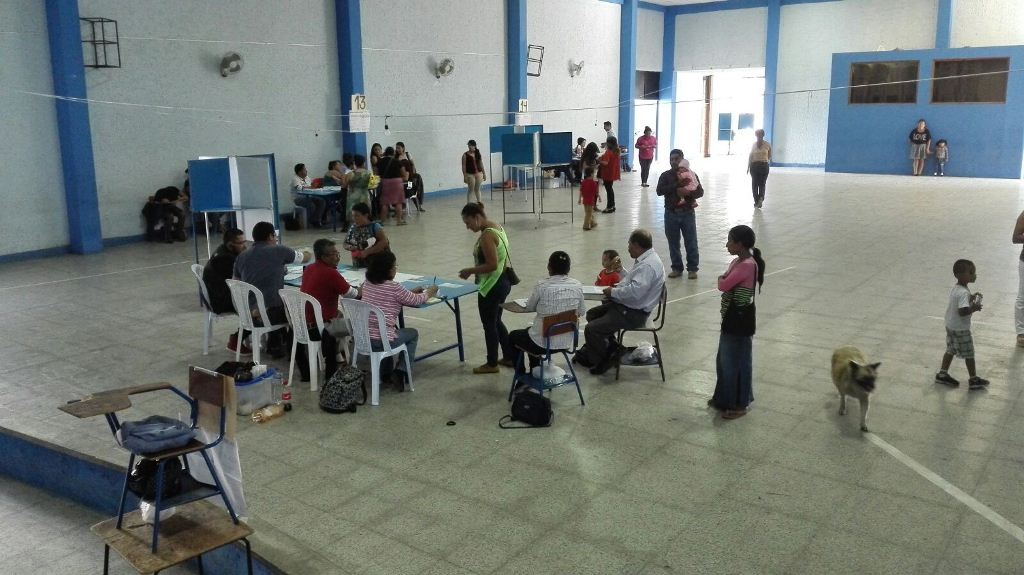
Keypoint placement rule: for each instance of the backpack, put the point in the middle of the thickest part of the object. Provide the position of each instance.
(142, 479)
(530, 408)
(340, 393)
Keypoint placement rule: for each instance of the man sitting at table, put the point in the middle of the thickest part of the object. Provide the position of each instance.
(220, 268)
(322, 281)
(626, 306)
(556, 294)
(263, 266)
(315, 207)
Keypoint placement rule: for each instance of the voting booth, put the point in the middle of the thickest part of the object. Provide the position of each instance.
(244, 186)
(525, 155)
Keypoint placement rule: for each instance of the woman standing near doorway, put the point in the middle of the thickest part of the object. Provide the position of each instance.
(757, 167)
(646, 144)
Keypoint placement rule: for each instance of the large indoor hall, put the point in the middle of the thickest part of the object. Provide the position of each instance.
(783, 137)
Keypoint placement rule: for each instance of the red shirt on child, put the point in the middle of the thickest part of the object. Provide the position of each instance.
(588, 192)
(607, 279)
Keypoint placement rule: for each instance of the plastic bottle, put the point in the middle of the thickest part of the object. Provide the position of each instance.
(276, 387)
(286, 395)
(267, 413)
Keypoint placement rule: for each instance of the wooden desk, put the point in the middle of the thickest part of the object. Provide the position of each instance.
(192, 531)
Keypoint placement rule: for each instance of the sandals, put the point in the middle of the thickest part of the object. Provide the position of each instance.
(734, 413)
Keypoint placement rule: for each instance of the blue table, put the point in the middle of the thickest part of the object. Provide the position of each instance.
(332, 194)
(448, 295)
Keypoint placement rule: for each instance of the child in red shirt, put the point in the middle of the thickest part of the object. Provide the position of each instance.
(589, 196)
(612, 272)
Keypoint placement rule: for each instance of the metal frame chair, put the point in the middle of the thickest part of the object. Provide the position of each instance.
(210, 315)
(557, 324)
(654, 326)
(240, 294)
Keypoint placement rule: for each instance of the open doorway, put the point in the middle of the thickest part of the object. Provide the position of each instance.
(718, 111)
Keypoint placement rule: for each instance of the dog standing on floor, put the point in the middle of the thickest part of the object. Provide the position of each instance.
(854, 376)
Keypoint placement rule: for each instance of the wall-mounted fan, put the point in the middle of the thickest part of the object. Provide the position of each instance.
(230, 64)
(444, 68)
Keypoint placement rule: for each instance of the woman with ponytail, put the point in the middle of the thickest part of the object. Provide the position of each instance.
(734, 363)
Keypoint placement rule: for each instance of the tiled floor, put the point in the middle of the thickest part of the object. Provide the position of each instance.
(643, 479)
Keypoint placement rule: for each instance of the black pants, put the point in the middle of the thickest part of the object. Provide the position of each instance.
(645, 170)
(610, 193)
(279, 338)
(328, 346)
(495, 332)
(604, 323)
(758, 179)
(520, 339)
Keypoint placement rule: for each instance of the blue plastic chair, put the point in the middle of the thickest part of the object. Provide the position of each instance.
(558, 324)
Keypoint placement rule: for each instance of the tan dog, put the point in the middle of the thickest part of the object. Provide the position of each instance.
(855, 377)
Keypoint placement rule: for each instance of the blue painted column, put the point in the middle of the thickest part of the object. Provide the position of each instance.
(944, 25)
(515, 54)
(350, 70)
(667, 94)
(771, 66)
(77, 164)
(627, 73)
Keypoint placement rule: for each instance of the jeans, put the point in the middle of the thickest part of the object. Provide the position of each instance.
(315, 208)
(495, 332)
(683, 222)
(645, 170)
(1019, 307)
(734, 367)
(406, 335)
(758, 179)
(611, 194)
(473, 187)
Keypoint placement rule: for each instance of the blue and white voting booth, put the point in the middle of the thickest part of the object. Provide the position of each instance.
(526, 155)
(243, 185)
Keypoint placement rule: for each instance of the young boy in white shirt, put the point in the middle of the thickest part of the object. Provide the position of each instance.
(962, 304)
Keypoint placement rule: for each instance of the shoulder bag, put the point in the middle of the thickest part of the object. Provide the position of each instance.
(741, 320)
(531, 409)
(513, 277)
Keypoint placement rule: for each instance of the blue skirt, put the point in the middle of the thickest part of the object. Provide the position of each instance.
(735, 369)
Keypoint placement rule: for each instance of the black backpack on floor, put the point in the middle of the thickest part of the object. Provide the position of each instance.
(532, 409)
(341, 393)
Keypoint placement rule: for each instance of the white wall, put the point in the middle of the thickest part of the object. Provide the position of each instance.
(281, 102)
(401, 38)
(808, 37)
(650, 39)
(32, 207)
(587, 30)
(987, 23)
(724, 39)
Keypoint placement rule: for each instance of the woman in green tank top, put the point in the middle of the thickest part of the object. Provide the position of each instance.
(490, 259)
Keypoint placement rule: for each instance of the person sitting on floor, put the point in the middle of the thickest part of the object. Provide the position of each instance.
(315, 207)
(322, 281)
(626, 306)
(551, 296)
(263, 266)
(219, 269)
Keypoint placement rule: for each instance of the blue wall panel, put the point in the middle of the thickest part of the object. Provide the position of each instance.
(985, 140)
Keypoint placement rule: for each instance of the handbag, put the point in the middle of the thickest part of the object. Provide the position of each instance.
(340, 393)
(740, 320)
(513, 277)
(532, 409)
(143, 478)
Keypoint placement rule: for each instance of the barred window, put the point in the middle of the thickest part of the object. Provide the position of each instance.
(884, 82)
(978, 80)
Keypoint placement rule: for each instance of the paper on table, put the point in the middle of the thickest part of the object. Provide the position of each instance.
(521, 302)
(292, 275)
(449, 285)
(400, 277)
(354, 277)
(434, 300)
(593, 290)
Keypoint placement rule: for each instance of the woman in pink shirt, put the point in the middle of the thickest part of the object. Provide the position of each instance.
(383, 291)
(646, 144)
(734, 363)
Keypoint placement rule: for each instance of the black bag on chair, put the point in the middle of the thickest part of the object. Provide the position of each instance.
(530, 408)
(142, 480)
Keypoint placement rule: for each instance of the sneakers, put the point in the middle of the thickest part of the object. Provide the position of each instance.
(692, 275)
(977, 383)
(675, 274)
(485, 369)
(232, 346)
(946, 379)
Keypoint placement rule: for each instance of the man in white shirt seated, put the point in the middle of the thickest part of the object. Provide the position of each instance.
(553, 295)
(315, 207)
(626, 306)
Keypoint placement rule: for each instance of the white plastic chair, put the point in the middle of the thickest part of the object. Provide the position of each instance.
(240, 296)
(359, 315)
(295, 303)
(204, 302)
